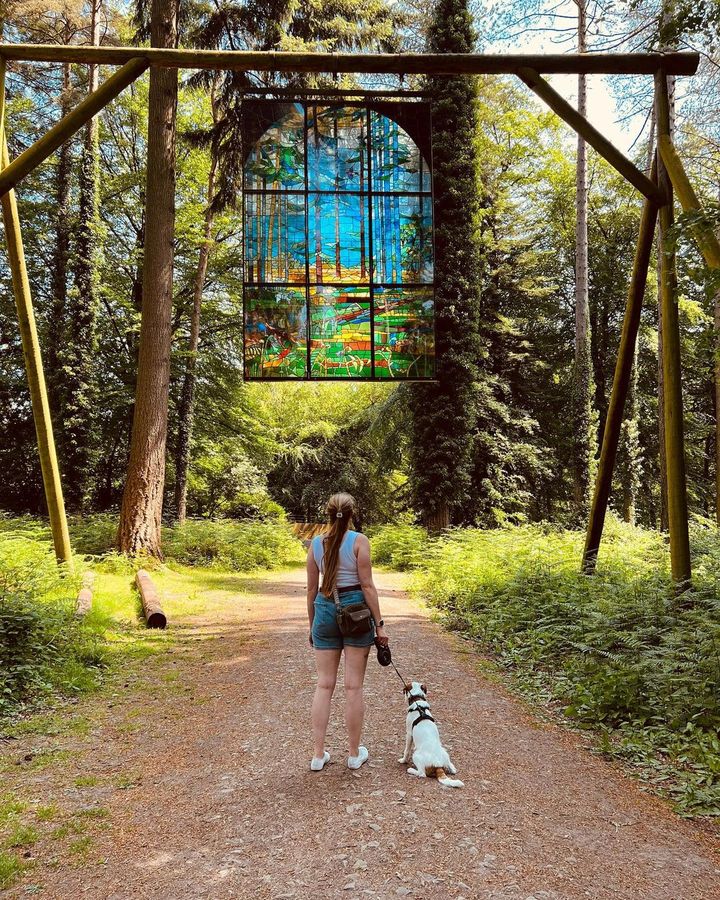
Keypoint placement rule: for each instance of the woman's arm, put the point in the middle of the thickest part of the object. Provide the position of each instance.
(369, 590)
(313, 580)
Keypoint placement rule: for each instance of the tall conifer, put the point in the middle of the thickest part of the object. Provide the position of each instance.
(445, 413)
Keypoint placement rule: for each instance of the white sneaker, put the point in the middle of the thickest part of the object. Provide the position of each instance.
(317, 764)
(354, 762)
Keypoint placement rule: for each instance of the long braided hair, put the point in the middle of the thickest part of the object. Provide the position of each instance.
(340, 510)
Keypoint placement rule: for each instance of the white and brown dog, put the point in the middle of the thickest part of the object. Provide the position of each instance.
(430, 759)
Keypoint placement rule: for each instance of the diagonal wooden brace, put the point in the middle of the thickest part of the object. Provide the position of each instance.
(621, 382)
(70, 124)
(704, 235)
(599, 142)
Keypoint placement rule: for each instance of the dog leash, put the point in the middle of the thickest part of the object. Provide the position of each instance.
(385, 659)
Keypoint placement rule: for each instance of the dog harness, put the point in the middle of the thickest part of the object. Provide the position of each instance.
(423, 712)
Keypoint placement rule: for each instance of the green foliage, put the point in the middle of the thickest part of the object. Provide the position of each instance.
(445, 412)
(401, 547)
(44, 647)
(616, 650)
(11, 868)
(235, 546)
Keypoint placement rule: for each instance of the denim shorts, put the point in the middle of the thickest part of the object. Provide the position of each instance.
(325, 632)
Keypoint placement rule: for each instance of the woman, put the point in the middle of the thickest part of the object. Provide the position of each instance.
(342, 556)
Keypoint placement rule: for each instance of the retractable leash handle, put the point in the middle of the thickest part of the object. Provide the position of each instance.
(384, 657)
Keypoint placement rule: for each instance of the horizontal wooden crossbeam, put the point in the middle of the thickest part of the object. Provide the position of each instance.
(70, 124)
(681, 63)
(599, 142)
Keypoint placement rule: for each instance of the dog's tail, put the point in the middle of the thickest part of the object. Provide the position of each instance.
(442, 777)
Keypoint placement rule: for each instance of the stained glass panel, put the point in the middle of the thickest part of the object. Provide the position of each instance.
(340, 335)
(402, 239)
(404, 332)
(274, 238)
(397, 163)
(275, 332)
(337, 148)
(339, 232)
(338, 244)
(276, 158)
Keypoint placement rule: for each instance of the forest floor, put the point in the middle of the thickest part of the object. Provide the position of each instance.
(188, 777)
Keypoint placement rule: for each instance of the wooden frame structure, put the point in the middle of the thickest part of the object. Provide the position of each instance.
(657, 190)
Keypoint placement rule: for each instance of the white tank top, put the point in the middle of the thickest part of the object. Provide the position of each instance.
(347, 572)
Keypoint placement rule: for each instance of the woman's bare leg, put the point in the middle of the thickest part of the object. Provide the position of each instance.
(327, 662)
(355, 665)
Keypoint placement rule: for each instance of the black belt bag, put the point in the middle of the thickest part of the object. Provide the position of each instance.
(353, 620)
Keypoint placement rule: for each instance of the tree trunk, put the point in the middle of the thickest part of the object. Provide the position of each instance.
(583, 389)
(439, 519)
(141, 513)
(79, 355)
(717, 402)
(186, 409)
(58, 311)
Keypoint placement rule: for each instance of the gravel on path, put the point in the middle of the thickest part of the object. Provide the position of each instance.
(226, 807)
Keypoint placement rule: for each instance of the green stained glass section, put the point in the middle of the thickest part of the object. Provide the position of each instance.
(337, 148)
(402, 239)
(340, 335)
(276, 159)
(275, 332)
(404, 332)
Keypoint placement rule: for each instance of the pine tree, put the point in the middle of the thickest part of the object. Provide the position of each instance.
(140, 517)
(445, 413)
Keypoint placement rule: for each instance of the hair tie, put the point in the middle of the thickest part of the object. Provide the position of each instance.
(338, 514)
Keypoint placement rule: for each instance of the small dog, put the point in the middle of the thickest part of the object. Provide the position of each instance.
(430, 758)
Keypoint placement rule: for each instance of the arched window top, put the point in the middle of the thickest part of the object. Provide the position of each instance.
(345, 146)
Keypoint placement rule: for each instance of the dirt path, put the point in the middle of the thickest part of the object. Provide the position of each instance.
(221, 803)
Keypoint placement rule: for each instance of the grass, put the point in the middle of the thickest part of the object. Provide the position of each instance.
(46, 652)
(616, 653)
(10, 869)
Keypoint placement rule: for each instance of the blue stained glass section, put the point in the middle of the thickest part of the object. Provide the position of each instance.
(402, 239)
(339, 238)
(337, 148)
(397, 163)
(274, 238)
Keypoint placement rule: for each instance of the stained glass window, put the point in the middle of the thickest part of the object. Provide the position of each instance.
(338, 240)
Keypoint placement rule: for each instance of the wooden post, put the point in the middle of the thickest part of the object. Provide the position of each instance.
(33, 358)
(672, 384)
(71, 123)
(621, 382)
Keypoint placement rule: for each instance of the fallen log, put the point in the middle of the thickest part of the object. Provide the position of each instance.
(83, 603)
(154, 615)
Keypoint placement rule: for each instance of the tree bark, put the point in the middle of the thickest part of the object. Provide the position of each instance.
(58, 311)
(141, 513)
(79, 356)
(187, 396)
(584, 443)
(717, 401)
